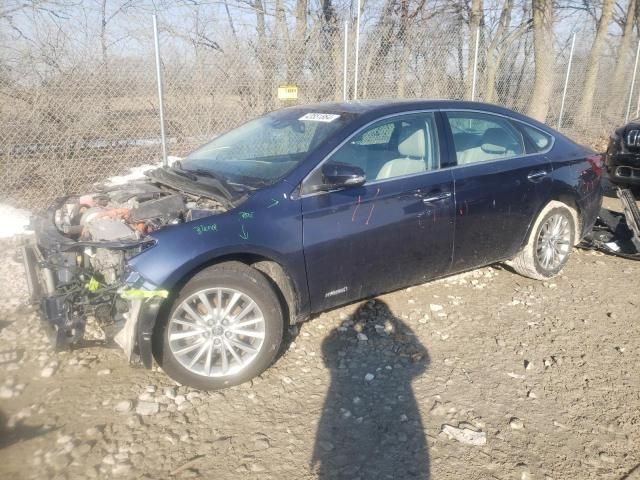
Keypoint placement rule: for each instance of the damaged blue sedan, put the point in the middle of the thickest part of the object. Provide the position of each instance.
(202, 265)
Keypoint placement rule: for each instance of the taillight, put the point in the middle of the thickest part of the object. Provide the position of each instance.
(597, 163)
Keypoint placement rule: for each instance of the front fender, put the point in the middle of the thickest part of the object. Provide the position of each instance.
(261, 227)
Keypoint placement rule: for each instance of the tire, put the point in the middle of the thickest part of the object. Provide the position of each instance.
(531, 261)
(213, 332)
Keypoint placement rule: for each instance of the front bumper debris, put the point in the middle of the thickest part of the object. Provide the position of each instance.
(63, 305)
(617, 233)
(135, 337)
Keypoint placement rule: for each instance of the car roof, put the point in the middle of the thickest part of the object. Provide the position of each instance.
(386, 106)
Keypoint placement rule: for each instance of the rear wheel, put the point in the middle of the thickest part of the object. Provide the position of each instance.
(224, 328)
(549, 246)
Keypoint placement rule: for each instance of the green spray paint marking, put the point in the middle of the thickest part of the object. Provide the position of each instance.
(274, 203)
(244, 235)
(245, 215)
(200, 229)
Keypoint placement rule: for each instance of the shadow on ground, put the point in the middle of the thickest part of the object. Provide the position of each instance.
(371, 426)
(17, 433)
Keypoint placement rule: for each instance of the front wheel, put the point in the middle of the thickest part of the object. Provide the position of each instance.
(224, 328)
(549, 245)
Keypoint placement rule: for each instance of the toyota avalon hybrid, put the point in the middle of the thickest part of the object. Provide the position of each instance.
(204, 264)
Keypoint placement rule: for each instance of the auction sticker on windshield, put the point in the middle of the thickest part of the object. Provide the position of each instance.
(319, 117)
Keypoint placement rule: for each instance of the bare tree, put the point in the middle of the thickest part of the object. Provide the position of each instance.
(264, 54)
(498, 46)
(295, 61)
(622, 58)
(543, 57)
(593, 65)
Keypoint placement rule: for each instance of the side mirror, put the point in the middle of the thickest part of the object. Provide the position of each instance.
(341, 175)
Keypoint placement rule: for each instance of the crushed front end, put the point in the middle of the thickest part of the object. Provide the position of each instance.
(77, 262)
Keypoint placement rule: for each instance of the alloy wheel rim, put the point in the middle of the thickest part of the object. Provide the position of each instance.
(216, 332)
(554, 242)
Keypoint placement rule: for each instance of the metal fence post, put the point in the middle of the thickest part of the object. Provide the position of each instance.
(566, 82)
(475, 66)
(160, 100)
(355, 75)
(344, 66)
(633, 84)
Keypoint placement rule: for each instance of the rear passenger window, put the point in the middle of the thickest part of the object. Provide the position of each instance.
(539, 139)
(480, 137)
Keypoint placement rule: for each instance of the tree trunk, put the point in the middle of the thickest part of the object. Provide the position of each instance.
(105, 80)
(295, 62)
(232, 25)
(461, 85)
(281, 32)
(475, 22)
(591, 76)
(401, 67)
(264, 58)
(381, 43)
(495, 52)
(329, 31)
(543, 57)
(623, 57)
(338, 63)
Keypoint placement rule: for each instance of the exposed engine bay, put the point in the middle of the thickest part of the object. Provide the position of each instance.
(125, 214)
(76, 268)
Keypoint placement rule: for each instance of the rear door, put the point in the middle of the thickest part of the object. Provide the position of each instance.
(394, 230)
(502, 179)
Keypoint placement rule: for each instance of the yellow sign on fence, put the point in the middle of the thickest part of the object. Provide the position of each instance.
(287, 92)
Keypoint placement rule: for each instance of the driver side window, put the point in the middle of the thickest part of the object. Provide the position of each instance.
(395, 147)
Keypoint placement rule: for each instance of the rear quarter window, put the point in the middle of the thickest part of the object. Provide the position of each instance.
(539, 140)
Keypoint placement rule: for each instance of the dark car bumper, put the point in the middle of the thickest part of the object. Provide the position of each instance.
(623, 167)
(624, 175)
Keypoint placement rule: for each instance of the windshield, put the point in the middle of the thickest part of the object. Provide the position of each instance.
(264, 150)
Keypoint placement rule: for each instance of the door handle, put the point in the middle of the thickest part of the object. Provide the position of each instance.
(537, 175)
(436, 197)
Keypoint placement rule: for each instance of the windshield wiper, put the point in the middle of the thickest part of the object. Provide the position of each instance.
(229, 185)
(176, 168)
(198, 172)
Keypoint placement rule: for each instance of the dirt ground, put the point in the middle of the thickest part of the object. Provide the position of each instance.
(485, 375)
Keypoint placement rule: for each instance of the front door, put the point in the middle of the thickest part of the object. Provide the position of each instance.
(395, 230)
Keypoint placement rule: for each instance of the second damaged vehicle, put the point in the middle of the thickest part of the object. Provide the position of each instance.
(204, 264)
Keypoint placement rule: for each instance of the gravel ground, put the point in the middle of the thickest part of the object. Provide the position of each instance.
(481, 375)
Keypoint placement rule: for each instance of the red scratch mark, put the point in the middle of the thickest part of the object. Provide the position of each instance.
(353, 217)
(461, 212)
(373, 205)
(370, 213)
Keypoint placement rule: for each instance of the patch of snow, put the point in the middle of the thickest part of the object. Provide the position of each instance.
(136, 173)
(14, 221)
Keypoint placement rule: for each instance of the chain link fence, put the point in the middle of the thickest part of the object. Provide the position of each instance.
(67, 121)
